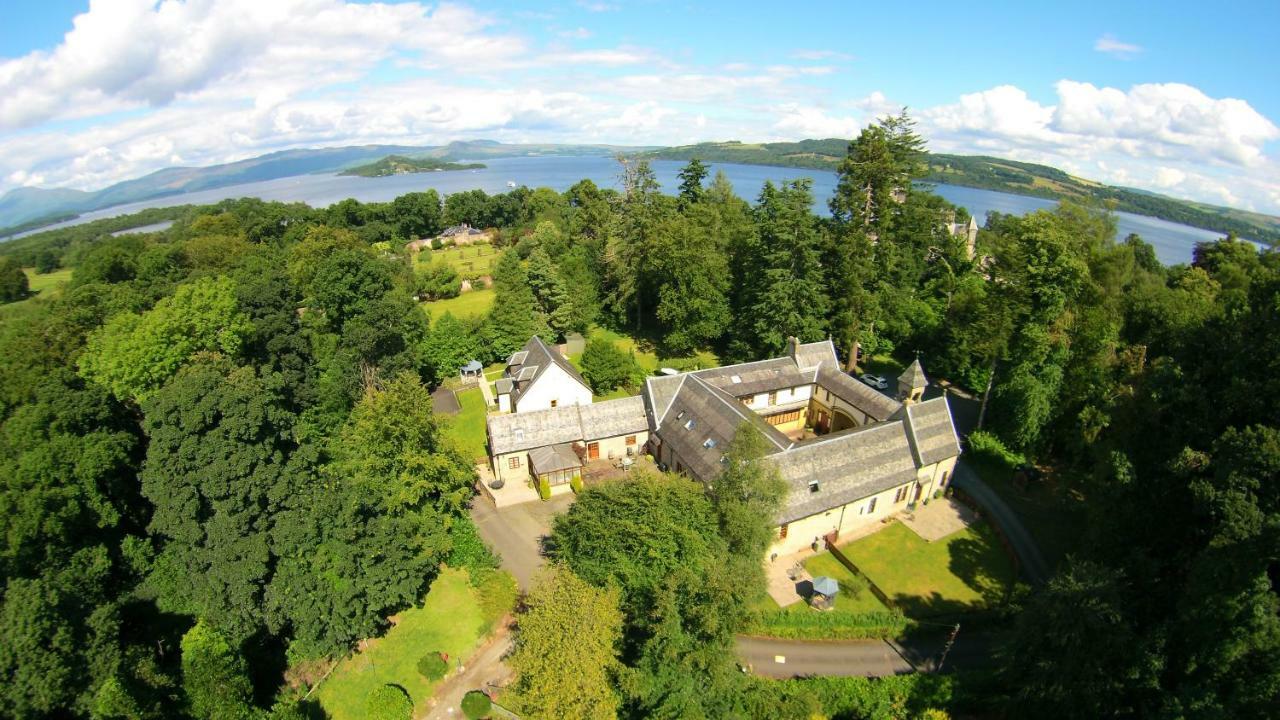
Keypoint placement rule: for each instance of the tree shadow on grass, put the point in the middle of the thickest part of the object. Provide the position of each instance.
(981, 563)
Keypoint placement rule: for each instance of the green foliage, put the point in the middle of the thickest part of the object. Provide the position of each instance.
(575, 484)
(816, 625)
(399, 165)
(134, 355)
(566, 653)
(13, 281)
(606, 367)
(388, 702)
(496, 591)
(438, 281)
(214, 676)
(982, 444)
(476, 705)
(467, 549)
(544, 488)
(887, 698)
(515, 317)
(432, 667)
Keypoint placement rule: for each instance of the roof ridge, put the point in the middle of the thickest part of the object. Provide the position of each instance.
(832, 437)
(733, 404)
(658, 420)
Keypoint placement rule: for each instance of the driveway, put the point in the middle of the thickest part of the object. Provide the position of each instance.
(516, 532)
(1030, 560)
(782, 659)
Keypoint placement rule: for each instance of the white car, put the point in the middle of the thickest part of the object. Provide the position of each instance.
(874, 381)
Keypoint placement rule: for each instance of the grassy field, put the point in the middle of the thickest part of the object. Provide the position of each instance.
(967, 570)
(853, 597)
(467, 427)
(467, 305)
(51, 281)
(649, 360)
(470, 260)
(449, 620)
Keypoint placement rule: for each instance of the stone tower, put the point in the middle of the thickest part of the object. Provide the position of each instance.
(912, 382)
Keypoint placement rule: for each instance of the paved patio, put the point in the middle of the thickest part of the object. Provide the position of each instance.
(782, 588)
(939, 518)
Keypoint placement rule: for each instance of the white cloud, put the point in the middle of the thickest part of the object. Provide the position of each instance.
(799, 122)
(596, 7)
(821, 55)
(1109, 45)
(579, 33)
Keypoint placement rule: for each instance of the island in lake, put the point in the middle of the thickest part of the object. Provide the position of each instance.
(401, 165)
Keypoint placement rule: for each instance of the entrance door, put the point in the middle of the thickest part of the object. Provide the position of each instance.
(593, 451)
(919, 490)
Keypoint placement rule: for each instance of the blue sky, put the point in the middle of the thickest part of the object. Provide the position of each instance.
(1182, 98)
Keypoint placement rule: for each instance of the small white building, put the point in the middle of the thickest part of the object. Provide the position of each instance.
(539, 378)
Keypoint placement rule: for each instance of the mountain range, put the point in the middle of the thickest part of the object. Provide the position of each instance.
(28, 207)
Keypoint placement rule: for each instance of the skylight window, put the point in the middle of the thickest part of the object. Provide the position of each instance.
(519, 434)
(680, 415)
(813, 486)
(709, 443)
(736, 378)
(688, 424)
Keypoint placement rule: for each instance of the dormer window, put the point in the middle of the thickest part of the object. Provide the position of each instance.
(813, 486)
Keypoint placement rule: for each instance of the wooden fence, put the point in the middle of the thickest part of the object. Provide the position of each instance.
(830, 540)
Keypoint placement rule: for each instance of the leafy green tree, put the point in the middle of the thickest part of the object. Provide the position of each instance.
(566, 653)
(417, 214)
(469, 206)
(549, 292)
(134, 355)
(47, 261)
(440, 280)
(109, 261)
(388, 702)
(747, 495)
(692, 176)
(346, 282)
(13, 282)
(216, 473)
(214, 676)
(447, 348)
(514, 317)
(693, 286)
(606, 368)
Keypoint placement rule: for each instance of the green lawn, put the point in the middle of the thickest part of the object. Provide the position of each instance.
(467, 427)
(649, 360)
(51, 281)
(853, 597)
(964, 571)
(470, 260)
(449, 620)
(467, 305)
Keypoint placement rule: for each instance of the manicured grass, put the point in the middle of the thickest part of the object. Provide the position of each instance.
(854, 597)
(469, 260)
(467, 305)
(967, 570)
(51, 281)
(467, 427)
(449, 620)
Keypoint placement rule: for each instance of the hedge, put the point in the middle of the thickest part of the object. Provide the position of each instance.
(828, 625)
(575, 483)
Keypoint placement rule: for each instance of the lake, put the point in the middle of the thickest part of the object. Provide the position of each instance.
(1173, 242)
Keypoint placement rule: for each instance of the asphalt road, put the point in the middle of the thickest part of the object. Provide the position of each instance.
(515, 533)
(776, 658)
(1031, 561)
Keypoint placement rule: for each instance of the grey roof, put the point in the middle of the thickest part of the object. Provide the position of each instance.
(931, 431)
(824, 585)
(473, 366)
(612, 418)
(914, 376)
(553, 458)
(658, 392)
(756, 377)
(847, 467)
(528, 364)
(701, 422)
(503, 385)
(811, 355)
(568, 423)
(867, 399)
(521, 431)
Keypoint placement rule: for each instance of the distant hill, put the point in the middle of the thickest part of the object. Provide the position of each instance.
(24, 208)
(401, 165)
(990, 173)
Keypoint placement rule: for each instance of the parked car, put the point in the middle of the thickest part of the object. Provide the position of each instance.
(874, 381)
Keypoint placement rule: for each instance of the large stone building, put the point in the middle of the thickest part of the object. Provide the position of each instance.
(850, 455)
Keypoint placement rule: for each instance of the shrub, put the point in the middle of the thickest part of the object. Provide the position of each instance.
(606, 367)
(476, 704)
(828, 625)
(497, 591)
(575, 483)
(388, 702)
(986, 446)
(544, 489)
(432, 667)
(468, 550)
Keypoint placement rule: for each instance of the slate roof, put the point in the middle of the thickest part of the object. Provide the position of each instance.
(913, 376)
(503, 386)
(860, 395)
(811, 355)
(527, 365)
(701, 422)
(931, 431)
(568, 423)
(847, 467)
(824, 585)
(756, 377)
(658, 392)
(553, 458)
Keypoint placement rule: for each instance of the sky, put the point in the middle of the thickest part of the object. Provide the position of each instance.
(1181, 98)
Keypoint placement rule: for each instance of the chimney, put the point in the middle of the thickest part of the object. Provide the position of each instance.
(793, 345)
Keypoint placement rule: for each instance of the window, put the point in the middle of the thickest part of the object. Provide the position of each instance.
(680, 415)
(943, 481)
(519, 434)
(688, 424)
(773, 398)
(902, 493)
(709, 443)
(631, 439)
(554, 403)
(783, 418)
(813, 486)
(735, 378)
(514, 462)
(871, 506)
(782, 532)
